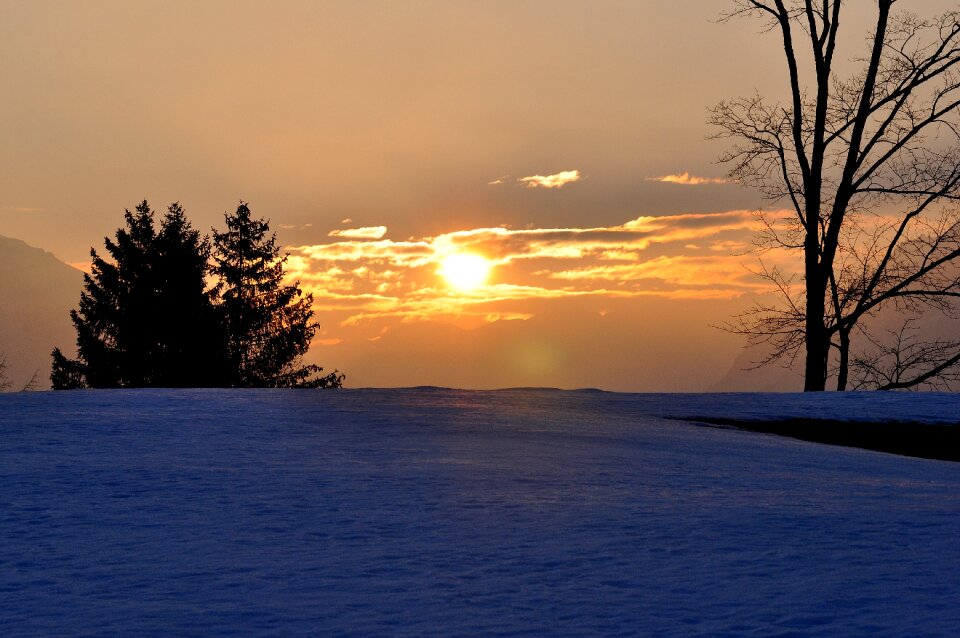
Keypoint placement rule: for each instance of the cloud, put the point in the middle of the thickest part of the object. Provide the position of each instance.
(686, 179)
(26, 209)
(356, 280)
(559, 180)
(677, 273)
(367, 232)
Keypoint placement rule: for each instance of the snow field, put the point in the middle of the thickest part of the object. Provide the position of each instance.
(443, 512)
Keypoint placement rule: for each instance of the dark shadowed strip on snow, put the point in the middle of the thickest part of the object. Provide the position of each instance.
(940, 442)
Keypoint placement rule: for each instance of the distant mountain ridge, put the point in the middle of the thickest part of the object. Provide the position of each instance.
(37, 291)
(744, 374)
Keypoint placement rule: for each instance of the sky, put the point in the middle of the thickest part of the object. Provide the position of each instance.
(561, 145)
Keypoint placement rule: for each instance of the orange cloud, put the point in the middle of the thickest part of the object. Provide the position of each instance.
(356, 281)
(686, 179)
(675, 273)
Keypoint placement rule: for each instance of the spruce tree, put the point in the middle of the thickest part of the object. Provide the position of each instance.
(269, 324)
(187, 324)
(146, 319)
(112, 339)
(66, 374)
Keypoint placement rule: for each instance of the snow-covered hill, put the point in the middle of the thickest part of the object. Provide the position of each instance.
(442, 512)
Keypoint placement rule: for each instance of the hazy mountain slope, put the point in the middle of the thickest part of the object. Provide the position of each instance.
(37, 291)
(744, 376)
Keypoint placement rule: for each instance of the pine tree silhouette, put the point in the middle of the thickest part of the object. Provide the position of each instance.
(146, 319)
(269, 324)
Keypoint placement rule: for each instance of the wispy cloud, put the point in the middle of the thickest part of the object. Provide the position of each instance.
(367, 232)
(558, 180)
(500, 180)
(686, 179)
(26, 209)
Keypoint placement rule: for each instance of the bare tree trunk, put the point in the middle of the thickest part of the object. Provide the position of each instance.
(844, 366)
(817, 340)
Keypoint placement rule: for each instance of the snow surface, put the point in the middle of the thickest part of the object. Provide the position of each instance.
(442, 512)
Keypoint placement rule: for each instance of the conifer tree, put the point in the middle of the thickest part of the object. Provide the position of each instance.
(269, 324)
(66, 374)
(187, 323)
(115, 305)
(146, 319)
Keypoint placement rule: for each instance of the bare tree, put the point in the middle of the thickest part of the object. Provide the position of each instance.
(905, 361)
(869, 165)
(33, 383)
(5, 382)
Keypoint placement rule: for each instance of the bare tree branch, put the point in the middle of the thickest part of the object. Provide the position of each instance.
(32, 384)
(5, 382)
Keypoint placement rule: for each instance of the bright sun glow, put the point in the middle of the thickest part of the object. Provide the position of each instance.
(465, 271)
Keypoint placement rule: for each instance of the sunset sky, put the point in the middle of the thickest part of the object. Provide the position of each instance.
(560, 144)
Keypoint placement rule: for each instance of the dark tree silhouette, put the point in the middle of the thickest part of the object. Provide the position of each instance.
(269, 324)
(5, 382)
(145, 319)
(66, 374)
(906, 361)
(33, 383)
(187, 322)
(848, 155)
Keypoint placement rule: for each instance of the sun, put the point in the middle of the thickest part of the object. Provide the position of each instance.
(465, 271)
